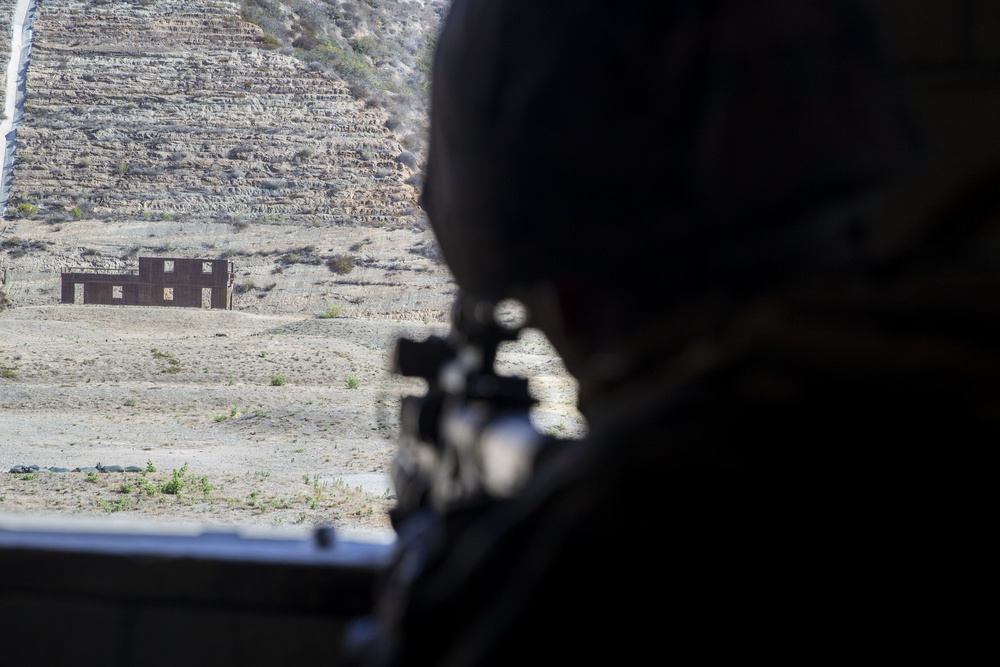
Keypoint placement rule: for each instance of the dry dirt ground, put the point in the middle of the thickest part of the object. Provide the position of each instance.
(169, 388)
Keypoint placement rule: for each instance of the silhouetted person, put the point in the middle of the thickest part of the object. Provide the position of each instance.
(678, 191)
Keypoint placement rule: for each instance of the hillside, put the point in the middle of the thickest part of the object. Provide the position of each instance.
(169, 128)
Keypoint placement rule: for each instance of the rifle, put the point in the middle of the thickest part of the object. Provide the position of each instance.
(468, 439)
(465, 445)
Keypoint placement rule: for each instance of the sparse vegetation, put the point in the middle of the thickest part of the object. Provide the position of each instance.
(182, 493)
(18, 247)
(357, 40)
(332, 311)
(353, 382)
(175, 486)
(278, 379)
(173, 365)
(341, 264)
(26, 210)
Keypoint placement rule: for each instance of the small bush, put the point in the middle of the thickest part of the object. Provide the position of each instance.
(269, 43)
(408, 159)
(76, 213)
(278, 380)
(177, 482)
(365, 45)
(331, 312)
(341, 264)
(353, 382)
(26, 210)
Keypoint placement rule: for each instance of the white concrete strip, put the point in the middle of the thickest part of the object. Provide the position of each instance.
(17, 68)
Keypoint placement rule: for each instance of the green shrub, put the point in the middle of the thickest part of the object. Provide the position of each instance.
(332, 311)
(341, 264)
(278, 380)
(269, 43)
(365, 45)
(26, 210)
(177, 482)
(353, 382)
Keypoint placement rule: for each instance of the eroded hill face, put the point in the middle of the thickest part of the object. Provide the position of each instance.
(167, 128)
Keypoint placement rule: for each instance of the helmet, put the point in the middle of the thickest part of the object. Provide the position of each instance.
(682, 142)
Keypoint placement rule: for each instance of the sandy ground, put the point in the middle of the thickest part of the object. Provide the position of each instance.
(164, 388)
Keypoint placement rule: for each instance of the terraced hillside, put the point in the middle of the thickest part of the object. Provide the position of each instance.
(6, 12)
(169, 128)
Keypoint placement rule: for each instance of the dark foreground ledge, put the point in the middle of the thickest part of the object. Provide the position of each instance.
(82, 593)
